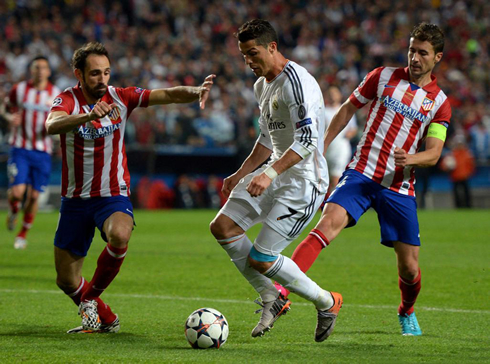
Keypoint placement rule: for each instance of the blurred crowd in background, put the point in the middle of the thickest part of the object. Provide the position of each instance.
(156, 44)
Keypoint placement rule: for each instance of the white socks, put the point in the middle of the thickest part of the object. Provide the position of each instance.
(286, 272)
(238, 248)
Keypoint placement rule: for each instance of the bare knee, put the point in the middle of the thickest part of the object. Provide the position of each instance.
(216, 228)
(408, 271)
(407, 260)
(223, 227)
(118, 236)
(334, 219)
(16, 194)
(67, 284)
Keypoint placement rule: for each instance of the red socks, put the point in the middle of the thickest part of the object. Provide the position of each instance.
(308, 250)
(26, 225)
(108, 265)
(14, 206)
(306, 253)
(105, 313)
(409, 292)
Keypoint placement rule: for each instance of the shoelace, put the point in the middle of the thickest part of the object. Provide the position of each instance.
(275, 308)
(259, 302)
(411, 322)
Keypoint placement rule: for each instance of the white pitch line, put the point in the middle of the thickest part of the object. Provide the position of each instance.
(220, 300)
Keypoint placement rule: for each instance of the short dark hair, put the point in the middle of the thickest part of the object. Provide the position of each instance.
(80, 56)
(37, 58)
(258, 29)
(430, 33)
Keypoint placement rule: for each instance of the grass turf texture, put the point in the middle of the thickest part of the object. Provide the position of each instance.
(174, 266)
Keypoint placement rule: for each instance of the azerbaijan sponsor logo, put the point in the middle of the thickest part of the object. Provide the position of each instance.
(403, 109)
(91, 133)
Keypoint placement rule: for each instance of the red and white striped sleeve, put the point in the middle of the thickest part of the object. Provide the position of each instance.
(133, 97)
(63, 102)
(367, 89)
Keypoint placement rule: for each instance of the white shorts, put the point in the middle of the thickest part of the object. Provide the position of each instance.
(338, 155)
(288, 205)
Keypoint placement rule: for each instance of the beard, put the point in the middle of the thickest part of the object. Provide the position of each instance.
(96, 92)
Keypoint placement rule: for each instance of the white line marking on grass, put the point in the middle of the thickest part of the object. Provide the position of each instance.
(220, 300)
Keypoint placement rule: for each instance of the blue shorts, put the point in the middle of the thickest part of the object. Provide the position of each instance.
(78, 219)
(30, 167)
(397, 213)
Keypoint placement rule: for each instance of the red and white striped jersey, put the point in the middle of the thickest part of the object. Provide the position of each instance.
(93, 154)
(400, 115)
(34, 106)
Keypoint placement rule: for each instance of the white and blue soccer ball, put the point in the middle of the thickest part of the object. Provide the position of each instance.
(206, 328)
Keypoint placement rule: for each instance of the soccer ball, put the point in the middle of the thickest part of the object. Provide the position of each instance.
(206, 328)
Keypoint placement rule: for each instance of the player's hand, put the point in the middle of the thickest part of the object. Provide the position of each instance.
(204, 90)
(401, 157)
(258, 184)
(15, 119)
(229, 184)
(100, 110)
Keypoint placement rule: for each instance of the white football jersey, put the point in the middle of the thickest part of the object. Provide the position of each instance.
(292, 115)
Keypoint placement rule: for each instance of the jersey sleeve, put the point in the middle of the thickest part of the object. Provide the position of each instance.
(367, 89)
(264, 137)
(443, 114)
(63, 102)
(303, 114)
(134, 97)
(12, 104)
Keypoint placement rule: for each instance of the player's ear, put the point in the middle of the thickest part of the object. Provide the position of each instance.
(438, 57)
(272, 47)
(78, 74)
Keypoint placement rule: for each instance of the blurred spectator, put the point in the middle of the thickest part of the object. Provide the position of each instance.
(339, 153)
(165, 43)
(158, 44)
(189, 195)
(460, 164)
(480, 141)
(214, 197)
(154, 194)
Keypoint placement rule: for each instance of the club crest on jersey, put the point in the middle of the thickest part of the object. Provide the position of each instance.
(57, 102)
(301, 112)
(427, 104)
(275, 103)
(114, 114)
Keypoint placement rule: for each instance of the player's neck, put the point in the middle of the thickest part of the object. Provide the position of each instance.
(40, 85)
(422, 81)
(277, 68)
(90, 100)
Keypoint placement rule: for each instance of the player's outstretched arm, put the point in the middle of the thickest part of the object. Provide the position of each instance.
(182, 94)
(339, 122)
(59, 122)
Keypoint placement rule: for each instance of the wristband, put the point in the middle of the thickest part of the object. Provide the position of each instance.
(270, 172)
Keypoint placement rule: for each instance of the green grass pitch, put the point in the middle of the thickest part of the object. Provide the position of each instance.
(174, 266)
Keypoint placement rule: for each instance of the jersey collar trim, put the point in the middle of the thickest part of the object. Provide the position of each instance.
(280, 73)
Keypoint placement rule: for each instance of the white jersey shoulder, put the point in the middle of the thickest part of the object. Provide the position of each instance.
(292, 117)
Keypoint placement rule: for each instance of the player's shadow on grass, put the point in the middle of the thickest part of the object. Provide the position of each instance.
(51, 332)
(19, 282)
(366, 332)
